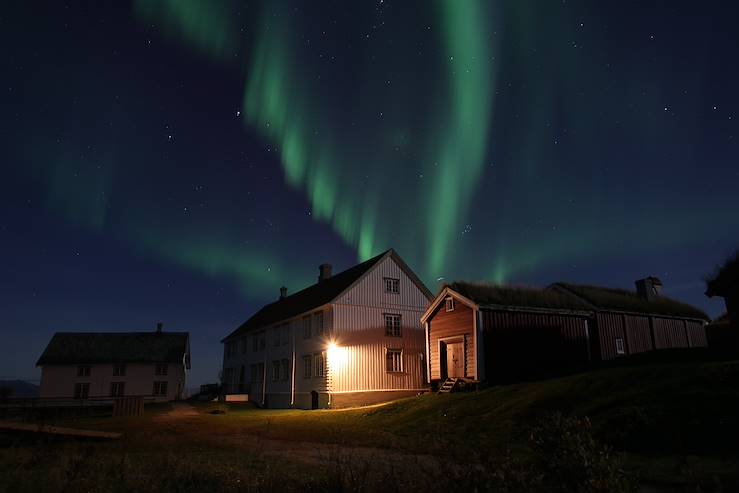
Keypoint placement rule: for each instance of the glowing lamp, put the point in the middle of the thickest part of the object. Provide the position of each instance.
(336, 355)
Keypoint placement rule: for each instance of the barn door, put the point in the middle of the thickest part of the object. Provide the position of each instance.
(455, 359)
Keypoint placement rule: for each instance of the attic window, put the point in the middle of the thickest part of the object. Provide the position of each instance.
(449, 303)
(620, 346)
(392, 285)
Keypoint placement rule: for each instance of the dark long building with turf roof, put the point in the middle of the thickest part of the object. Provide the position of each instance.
(482, 332)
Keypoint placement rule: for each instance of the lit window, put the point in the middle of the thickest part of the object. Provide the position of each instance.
(620, 346)
(307, 367)
(306, 327)
(320, 367)
(275, 370)
(117, 389)
(319, 323)
(160, 388)
(83, 371)
(285, 369)
(161, 369)
(81, 390)
(449, 304)
(119, 370)
(392, 325)
(392, 285)
(394, 360)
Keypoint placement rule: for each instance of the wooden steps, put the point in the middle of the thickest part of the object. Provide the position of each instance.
(448, 386)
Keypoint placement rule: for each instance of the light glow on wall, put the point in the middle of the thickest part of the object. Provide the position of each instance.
(337, 356)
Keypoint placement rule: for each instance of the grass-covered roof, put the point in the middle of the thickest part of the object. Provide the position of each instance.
(628, 301)
(491, 294)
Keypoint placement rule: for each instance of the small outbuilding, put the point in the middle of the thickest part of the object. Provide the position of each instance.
(481, 332)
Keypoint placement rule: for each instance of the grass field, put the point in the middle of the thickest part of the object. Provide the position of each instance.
(675, 426)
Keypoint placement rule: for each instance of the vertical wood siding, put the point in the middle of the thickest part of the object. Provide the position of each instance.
(370, 291)
(610, 327)
(443, 324)
(669, 333)
(360, 333)
(519, 343)
(696, 334)
(638, 334)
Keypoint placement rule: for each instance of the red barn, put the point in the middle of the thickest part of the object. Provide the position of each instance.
(480, 332)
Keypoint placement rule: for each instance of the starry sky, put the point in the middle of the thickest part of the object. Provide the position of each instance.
(180, 160)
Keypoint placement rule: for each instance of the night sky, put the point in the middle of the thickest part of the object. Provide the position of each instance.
(179, 161)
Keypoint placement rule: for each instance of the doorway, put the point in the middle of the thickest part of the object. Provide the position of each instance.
(452, 359)
(314, 400)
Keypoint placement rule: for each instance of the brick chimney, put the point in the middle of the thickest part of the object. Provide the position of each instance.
(283, 292)
(649, 288)
(159, 327)
(324, 272)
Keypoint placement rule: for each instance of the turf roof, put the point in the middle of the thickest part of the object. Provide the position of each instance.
(490, 294)
(628, 301)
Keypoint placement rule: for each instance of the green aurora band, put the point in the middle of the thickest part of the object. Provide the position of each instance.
(407, 152)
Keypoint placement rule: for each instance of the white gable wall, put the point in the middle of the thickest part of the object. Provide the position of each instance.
(359, 329)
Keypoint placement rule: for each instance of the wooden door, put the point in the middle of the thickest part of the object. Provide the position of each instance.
(455, 359)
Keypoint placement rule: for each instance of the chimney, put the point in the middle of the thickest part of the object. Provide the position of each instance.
(159, 327)
(649, 288)
(324, 272)
(283, 292)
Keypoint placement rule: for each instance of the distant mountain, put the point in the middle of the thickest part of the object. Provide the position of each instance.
(20, 388)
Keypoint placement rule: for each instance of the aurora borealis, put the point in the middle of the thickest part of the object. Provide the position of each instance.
(181, 160)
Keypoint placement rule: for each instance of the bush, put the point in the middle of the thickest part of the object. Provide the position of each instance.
(569, 459)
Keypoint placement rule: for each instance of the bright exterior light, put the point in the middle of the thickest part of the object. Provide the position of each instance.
(336, 355)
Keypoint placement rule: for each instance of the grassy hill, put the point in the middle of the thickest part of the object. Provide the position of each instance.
(675, 425)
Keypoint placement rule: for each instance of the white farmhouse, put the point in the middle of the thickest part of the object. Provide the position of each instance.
(350, 339)
(100, 365)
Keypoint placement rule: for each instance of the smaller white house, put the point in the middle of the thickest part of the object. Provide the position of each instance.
(92, 365)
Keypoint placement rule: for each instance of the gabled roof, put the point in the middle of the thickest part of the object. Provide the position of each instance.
(320, 294)
(612, 299)
(70, 348)
(726, 277)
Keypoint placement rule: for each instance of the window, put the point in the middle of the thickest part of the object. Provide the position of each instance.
(276, 336)
(320, 364)
(620, 346)
(262, 340)
(449, 304)
(306, 327)
(307, 367)
(119, 370)
(117, 389)
(319, 323)
(161, 369)
(230, 349)
(285, 369)
(260, 371)
(275, 370)
(392, 325)
(254, 343)
(394, 360)
(228, 375)
(83, 371)
(160, 388)
(285, 334)
(392, 285)
(254, 373)
(244, 345)
(81, 390)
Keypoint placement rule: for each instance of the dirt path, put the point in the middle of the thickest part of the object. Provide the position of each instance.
(180, 410)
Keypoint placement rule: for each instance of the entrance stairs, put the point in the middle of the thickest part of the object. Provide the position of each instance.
(457, 384)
